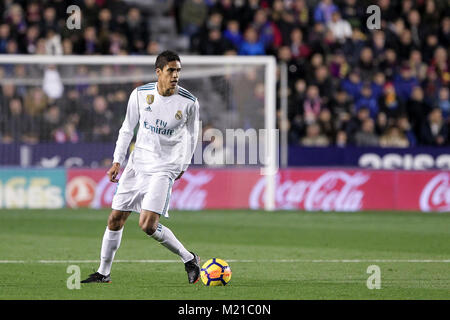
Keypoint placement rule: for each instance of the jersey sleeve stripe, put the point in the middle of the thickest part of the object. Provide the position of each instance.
(185, 91)
(190, 97)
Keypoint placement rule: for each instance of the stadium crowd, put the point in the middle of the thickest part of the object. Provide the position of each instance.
(348, 85)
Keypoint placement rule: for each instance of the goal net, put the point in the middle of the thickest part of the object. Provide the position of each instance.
(83, 99)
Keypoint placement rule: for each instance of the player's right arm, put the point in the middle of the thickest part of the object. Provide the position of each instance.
(126, 133)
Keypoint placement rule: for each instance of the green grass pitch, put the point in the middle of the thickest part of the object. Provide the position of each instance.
(277, 255)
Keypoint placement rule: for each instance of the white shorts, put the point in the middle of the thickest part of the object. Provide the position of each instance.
(137, 191)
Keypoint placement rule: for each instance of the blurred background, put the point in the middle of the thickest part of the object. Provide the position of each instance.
(355, 98)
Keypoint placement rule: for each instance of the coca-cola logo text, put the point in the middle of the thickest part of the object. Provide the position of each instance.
(436, 194)
(332, 191)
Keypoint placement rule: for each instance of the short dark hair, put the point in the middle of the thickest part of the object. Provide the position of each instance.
(165, 57)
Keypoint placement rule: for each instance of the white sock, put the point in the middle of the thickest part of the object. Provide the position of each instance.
(110, 244)
(166, 237)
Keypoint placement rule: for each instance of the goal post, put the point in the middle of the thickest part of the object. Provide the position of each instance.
(75, 70)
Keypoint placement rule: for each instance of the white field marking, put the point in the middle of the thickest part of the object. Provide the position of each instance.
(238, 261)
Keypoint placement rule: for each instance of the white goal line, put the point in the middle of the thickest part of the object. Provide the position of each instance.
(239, 261)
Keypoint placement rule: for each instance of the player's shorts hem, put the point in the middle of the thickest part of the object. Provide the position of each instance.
(153, 211)
(122, 209)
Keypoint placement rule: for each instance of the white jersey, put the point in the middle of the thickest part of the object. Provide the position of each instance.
(168, 131)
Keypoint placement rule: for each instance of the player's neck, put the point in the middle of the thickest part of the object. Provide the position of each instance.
(165, 92)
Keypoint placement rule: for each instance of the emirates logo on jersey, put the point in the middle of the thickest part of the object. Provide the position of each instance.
(178, 115)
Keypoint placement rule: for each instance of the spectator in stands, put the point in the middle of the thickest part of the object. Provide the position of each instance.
(341, 139)
(405, 45)
(394, 138)
(404, 83)
(105, 23)
(214, 44)
(355, 123)
(444, 32)
(153, 48)
(50, 121)
(368, 100)
(432, 43)
(378, 46)
(50, 21)
(440, 64)
(33, 13)
(90, 10)
(53, 45)
(227, 8)
(404, 125)
(353, 84)
(15, 19)
(251, 45)
(417, 109)
(136, 31)
(381, 123)
(312, 105)
(418, 31)
(299, 49)
(366, 64)
(352, 11)
(89, 43)
(323, 81)
(389, 101)
(434, 130)
(100, 119)
(431, 85)
(326, 124)
(418, 67)
(443, 102)
(431, 15)
(341, 108)
(232, 33)
(341, 28)
(19, 127)
(35, 102)
(193, 14)
(4, 37)
(297, 99)
(314, 138)
(269, 32)
(67, 47)
(378, 83)
(301, 13)
(339, 66)
(366, 137)
(315, 62)
(29, 42)
(324, 11)
(389, 64)
(293, 65)
(12, 47)
(67, 133)
(8, 92)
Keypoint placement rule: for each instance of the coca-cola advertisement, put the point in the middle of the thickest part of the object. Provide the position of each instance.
(296, 189)
(89, 188)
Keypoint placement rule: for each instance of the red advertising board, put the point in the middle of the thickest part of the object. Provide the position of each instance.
(89, 188)
(302, 189)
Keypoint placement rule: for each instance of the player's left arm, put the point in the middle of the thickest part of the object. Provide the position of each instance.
(192, 126)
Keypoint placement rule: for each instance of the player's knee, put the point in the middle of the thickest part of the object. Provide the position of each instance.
(116, 221)
(149, 227)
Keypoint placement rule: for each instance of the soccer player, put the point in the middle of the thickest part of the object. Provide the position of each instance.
(168, 118)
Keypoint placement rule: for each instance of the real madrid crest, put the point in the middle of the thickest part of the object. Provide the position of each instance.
(150, 98)
(178, 115)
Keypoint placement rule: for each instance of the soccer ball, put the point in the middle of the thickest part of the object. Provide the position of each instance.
(215, 272)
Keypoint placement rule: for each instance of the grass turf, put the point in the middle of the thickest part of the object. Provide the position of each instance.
(275, 255)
